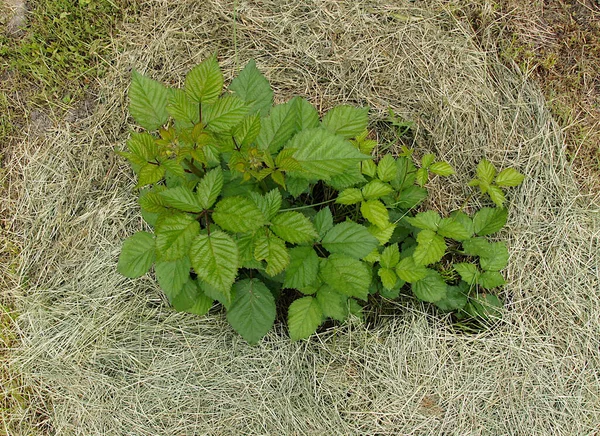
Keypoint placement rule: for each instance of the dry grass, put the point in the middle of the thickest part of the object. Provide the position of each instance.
(101, 354)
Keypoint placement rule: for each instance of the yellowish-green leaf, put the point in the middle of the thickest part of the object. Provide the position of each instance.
(376, 213)
(430, 248)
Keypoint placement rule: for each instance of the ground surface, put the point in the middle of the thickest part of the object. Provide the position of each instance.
(91, 353)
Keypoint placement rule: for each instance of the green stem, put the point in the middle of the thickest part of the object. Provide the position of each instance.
(194, 169)
(307, 206)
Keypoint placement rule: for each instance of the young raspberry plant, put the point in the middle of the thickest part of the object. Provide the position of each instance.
(250, 204)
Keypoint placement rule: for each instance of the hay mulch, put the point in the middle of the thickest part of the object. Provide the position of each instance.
(101, 354)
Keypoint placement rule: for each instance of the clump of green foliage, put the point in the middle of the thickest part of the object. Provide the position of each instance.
(251, 204)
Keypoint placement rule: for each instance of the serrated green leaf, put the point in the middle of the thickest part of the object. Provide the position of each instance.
(411, 197)
(215, 259)
(143, 147)
(302, 269)
(422, 177)
(204, 82)
(496, 194)
(484, 306)
(150, 200)
(350, 239)
(455, 299)
(382, 234)
(150, 174)
(430, 248)
(294, 227)
(409, 271)
(496, 258)
(252, 87)
(272, 249)
(346, 275)
(278, 127)
(182, 109)
(427, 160)
(430, 288)
(307, 116)
(269, 204)
(486, 172)
(464, 220)
(489, 220)
(368, 168)
(172, 275)
(137, 255)
(323, 221)
(296, 185)
(468, 272)
(322, 154)
(388, 277)
(350, 177)
(429, 219)
(252, 312)
(192, 299)
(491, 279)
(209, 188)
(509, 177)
(376, 189)
(454, 229)
(223, 115)
(238, 214)
(304, 316)
(148, 101)
(390, 256)
(405, 173)
(247, 131)
(477, 247)
(173, 167)
(333, 304)
(441, 169)
(346, 121)
(182, 198)
(386, 168)
(349, 196)
(174, 234)
(376, 213)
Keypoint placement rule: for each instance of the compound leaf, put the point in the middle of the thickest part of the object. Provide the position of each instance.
(215, 259)
(304, 316)
(252, 312)
(137, 255)
(350, 239)
(148, 101)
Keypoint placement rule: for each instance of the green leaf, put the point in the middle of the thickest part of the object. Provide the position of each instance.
(303, 268)
(496, 258)
(269, 204)
(323, 221)
(238, 214)
(307, 116)
(430, 248)
(350, 239)
(247, 131)
(427, 160)
(296, 185)
(409, 271)
(430, 288)
(173, 167)
(411, 197)
(422, 177)
(468, 272)
(376, 189)
(491, 279)
(484, 306)
(386, 168)
(323, 154)
(272, 249)
(150, 200)
(252, 87)
(226, 113)
(215, 259)
(204, 82)
(509, 177)
(454, 229)
(143, 147)
(304, 316)
(346, 121)
(333, 304)
(150, 174)
(496, 194)
(215, 294)
(376, 212)
(477, 247)
(442, 169)
(388, 277)
(191, 299)
(182, 198)
(137, 255)
(182, 109)
(429, 219)
(489, 220)
(349, 196)
(486, 171)
(278, 127)
(209, 188)
(172, 275)
(294, 227)
(346, 275)
(405, 173)
(148, 101)
(382, 234)
(174, 234)
(368, 168)
(350, 177)
(455, 299)
(253, 311)
(390, 256)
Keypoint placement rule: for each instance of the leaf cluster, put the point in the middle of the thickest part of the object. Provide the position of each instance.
(252, 203)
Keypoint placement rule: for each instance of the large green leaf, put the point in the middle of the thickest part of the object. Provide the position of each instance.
(409, 271)
(303, 268)
(346, 275)
(350, 239)
(376, 213)
(238, 215)
(376, 189)
(411, 197)
(148, 101)
(323, 221)
(294, 227)
(430, 288)
(429, 219)
(346, 121)
(137, 255)
(509, 177)
(386, 168)
(269, 204)
(182, 109)
(252, 87)
(174, 234)
(226, 113)
(496, 258)
(204, 82)
(430, 248)
(322, 154)
(209, 188)
(192, 299)
(468, 272)
(172, 275)
(304, 316)
(247, 131)
(278, 127)
(455, 229)
(489, 220)
(333, 304)
(252, 312)
(215, 259)
(182, 198)
(273, 250)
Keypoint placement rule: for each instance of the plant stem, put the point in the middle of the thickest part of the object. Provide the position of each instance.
(307, 206)
(193, 168)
